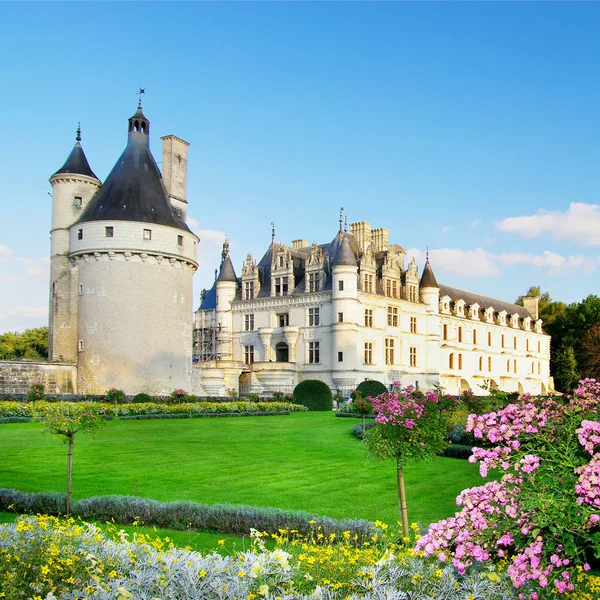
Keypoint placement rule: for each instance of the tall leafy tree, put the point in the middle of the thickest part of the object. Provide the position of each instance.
(31, 343)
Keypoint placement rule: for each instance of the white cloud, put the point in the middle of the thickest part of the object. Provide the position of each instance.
(476, 222)
(445, 229)
(5, 253)
(579, 224)
(464, 263)
(555, 264)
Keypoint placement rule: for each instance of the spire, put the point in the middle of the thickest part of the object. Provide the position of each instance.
(227, 272)
(428, 278)
(225, 251)
(272, 233)
(344, 254)
(139, 125)
(341, 217)
(76, 162)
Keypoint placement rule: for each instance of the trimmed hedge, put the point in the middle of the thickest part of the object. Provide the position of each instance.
(458, 451)
(183, 516)
(357, 430)
(314, 394)
(371, 387)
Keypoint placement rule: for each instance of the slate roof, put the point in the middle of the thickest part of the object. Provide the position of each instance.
(483, 301)
(428, 278)
(227, 272)
(77, 163)
(134, 189)
(209, 302)
(341, 252)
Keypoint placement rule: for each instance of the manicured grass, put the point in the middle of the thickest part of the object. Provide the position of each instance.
(304, 461)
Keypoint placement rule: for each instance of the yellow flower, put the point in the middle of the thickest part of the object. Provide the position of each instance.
(202, 574)
(221, 542)
(241, 574)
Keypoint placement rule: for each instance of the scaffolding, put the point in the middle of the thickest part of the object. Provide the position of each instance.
(212, 343)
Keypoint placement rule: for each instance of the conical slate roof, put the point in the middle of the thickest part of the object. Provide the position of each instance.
(342, 252)
(428, 278)
(134, 189)
(77, 162)
(227, 272)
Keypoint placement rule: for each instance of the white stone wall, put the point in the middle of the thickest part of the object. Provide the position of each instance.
(134, 323)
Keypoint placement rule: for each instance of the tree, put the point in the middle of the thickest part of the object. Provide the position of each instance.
(65, 421)
(32, 343)
(409, 426)
(590, 352)
(566, 372)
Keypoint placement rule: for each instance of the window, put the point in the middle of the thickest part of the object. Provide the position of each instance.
(147, 234)
(248, 355)
(249, 322)
(281, 286)
(503, 341)
(109, 232)
(249, 290)
(474, 336)
(80, 234)
(283, 319)
(527, 344)
(539, 346)
(515, 342)
(460, 334)
(508, 365)
(489, 363)
(313, 352)
(54, 290)
(368, 283)
(313, 317)
(391, 288)
(313, 282)
(489, 338)
(368, 317)
(539, 369)
(281, 261)
(445, 331)
(78, 202)
(340, 317)
(389, 351)
(460, 362)
(368, 353)
(515, 365)
(80, 346)
(392, 316)
(180, 240)
(412, 293)
(413, 324)
(341, 285)
(451, 361)
(481, 363)
(413, 356)
(340, 357)
(80, 289)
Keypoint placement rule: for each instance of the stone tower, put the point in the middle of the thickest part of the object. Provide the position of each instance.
(132, 258)
(73, 185)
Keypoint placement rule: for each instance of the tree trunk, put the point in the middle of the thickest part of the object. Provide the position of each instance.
(363, 424)
(402, 499)
(69, 473)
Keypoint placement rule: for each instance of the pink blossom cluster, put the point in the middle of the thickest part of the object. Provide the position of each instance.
(508, 424)
(588, 484)
(490, 458)
(401, 408)
(589, 435)
(587, 394)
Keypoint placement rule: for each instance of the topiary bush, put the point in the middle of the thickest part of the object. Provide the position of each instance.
(141, 398)
(371, 387)
(314, 394)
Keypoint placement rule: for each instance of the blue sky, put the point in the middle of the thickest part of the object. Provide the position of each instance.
(471, 128)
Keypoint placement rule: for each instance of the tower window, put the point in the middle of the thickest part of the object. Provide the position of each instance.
(180, 240)
(147, 234)
(109, 232)
(81, 289)
(340, 357)
(80, 234)
(80, 346)
(341, 285)
(340, 317)
(78, 202)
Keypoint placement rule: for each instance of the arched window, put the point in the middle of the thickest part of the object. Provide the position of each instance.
(451, 361)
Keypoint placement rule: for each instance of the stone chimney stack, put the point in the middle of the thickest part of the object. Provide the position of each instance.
(532, 304)
(174, 173)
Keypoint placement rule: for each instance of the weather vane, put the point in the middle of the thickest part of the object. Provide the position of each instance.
(272, 232)
(142, 91)
(341, 218)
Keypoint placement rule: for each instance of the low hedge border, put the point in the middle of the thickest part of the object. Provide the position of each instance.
(458, 451)
(182, 515)
(353, 415)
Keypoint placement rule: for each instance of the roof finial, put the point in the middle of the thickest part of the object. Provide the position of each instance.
(78, 136)
(346, 223)
(225, 251)
(142, 91)
(341, 217)
(272, 233)
(426, 253)
(216, 273)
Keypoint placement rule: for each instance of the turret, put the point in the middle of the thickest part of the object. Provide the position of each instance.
(429, 289)
(73, 185)
(226, 285)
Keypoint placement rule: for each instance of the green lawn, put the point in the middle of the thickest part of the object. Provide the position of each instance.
(305, 461)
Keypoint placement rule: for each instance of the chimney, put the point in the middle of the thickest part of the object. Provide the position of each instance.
(174, 173)
(532, 304)
(301, 243)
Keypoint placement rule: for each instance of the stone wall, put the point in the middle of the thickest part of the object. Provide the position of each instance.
(17, 376)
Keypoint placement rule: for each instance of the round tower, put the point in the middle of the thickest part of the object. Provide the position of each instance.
(73, 185)
(344, 308)
(135, 261)
(429, 289)
(226, 286)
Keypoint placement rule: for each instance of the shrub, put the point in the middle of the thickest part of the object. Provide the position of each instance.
(314, 394)
(115, 396)
(371, 388)
(179, 396)
(458, 451)
(358, 431)
(36, 392)
(141, 398)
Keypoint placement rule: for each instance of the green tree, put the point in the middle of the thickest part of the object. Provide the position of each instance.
(65, 420)
(566, 371)
(31, 343)
(590, 352)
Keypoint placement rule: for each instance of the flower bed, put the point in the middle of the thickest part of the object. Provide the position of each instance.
(9, 409)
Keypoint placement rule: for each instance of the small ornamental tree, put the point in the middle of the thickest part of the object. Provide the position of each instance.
(65, 420)
(543, 515)
(363, 407)
(36, 392)
(410, 426)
